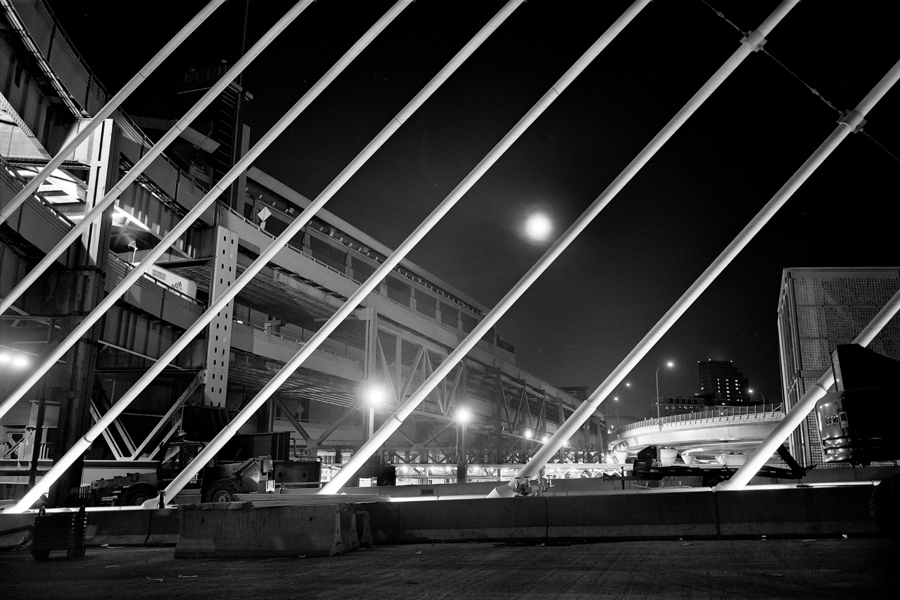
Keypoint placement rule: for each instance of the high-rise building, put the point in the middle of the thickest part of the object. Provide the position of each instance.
(817, 310)
(721, 380)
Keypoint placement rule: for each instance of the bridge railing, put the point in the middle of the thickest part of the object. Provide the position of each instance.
(710, 413)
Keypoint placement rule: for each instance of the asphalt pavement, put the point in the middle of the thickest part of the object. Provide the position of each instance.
(759, 568)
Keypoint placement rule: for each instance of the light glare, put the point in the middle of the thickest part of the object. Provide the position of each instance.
(538, 227)
(374, 394)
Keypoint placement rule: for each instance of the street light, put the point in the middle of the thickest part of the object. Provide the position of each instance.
(373, 395)
(616, 399)
(668, 364)
(463, 416)
(750, 391)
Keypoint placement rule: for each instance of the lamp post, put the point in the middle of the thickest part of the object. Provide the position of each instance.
(668, 364)
(462, 418)
(373, 395)
(761, 395)
(616, 399)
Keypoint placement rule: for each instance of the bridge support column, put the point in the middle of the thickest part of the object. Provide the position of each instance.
(74, 417)
(218, 333)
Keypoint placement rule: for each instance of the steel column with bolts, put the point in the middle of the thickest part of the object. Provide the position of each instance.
(406, 408)
(848, 123)
(107, 110)
(251, 271)
(145, 162)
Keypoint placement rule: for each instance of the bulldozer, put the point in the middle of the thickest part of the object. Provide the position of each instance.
(222, 480)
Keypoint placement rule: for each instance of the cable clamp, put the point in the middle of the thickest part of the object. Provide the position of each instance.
(852, 119)
(755, 40)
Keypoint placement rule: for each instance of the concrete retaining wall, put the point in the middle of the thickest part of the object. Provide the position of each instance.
(669, 514)
(807, 512)
(457, 520)
(240, 529)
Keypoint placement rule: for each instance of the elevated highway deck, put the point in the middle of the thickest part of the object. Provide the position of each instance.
(703, 435)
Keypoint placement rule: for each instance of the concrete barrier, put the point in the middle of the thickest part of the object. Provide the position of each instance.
(633, 515)
(15, 529)
(363, 529)
(349, 535)
(117, 527)
(210, 531)
(458, 520)
(791, 512)
(164, 527)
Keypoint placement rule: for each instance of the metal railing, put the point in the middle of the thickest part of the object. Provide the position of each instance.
(708, 414)
(122, 267)
(335, 348)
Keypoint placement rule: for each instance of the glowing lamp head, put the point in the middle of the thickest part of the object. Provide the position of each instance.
(374, 394)
(529, 434)
(538, 227)
(463, 415)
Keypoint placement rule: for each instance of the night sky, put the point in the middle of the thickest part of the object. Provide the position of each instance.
(655, 238)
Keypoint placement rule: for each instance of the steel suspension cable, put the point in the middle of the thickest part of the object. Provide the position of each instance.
(404, 248)
(847, 124)
(178, 483)
(79, 447)
(395, 421)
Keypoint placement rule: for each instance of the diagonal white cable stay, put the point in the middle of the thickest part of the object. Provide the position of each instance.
(146, 160)
(114, 103)
(355, 299)
(849, 123)
(751, 42)
(404, 248)
(268, 253)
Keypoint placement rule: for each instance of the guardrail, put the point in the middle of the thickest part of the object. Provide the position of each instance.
(124, 267)
(332, 347)
(705, 415)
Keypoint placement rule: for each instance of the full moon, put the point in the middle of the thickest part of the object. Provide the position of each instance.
(538, 227)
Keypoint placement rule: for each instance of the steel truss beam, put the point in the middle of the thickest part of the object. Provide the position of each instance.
(176, 406)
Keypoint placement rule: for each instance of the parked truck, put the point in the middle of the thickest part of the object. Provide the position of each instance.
(227, 475)
(647, 466)
(858, 424)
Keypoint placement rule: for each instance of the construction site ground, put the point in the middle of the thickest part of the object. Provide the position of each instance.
(836, 567)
